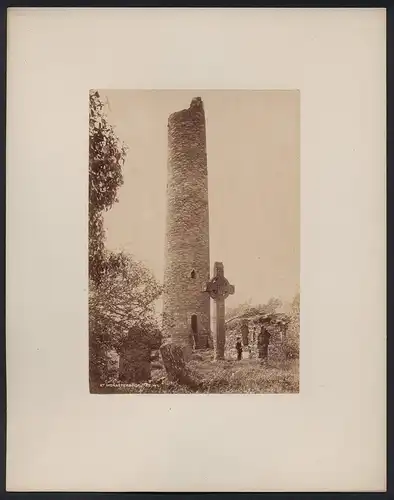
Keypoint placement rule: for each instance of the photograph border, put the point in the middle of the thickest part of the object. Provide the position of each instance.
(390, 190)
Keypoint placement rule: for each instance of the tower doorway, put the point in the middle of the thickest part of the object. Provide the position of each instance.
(194, 330)
(194, 324)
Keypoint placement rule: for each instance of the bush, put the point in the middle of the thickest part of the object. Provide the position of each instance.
(291, 347)
(292, 341)
(123, 300)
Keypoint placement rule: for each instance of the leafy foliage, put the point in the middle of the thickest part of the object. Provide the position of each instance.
(292, 341)
(106, 158)
(121, 291)
(124, 298)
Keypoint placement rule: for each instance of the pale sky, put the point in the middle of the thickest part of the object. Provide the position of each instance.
(253, 175)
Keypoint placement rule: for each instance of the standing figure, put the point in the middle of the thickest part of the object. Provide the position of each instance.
(263, 341)
(254, 332)
(245, 333)
(238, 346)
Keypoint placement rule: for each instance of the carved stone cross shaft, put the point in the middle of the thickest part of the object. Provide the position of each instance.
(219, 289)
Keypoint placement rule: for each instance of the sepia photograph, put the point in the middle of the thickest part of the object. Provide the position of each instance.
(194, 241)
(196, 207)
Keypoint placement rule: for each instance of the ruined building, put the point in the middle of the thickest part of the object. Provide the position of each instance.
(186, 308)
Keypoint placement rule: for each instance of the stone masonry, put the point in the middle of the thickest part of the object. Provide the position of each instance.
(186, 308)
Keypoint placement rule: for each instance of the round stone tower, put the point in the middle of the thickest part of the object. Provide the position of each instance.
(186, 308)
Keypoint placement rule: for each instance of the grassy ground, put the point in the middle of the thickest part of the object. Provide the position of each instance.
(247, 376)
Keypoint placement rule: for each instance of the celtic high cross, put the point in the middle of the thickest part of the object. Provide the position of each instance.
(219, 289)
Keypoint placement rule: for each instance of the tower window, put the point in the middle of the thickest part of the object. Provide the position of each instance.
(193, 274)
(194, 323)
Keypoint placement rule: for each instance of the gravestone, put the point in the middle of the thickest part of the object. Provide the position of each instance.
(245, 333)
(263, 340)
(135, 355)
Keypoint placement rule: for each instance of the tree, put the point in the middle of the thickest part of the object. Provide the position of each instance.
(106, 158)
(124, 298)
(239, 310)
(122, 291)
(273, 305)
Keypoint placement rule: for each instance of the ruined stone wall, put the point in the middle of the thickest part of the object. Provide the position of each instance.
(187, 237)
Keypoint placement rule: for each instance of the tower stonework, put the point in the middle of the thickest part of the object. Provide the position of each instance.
(186, 308)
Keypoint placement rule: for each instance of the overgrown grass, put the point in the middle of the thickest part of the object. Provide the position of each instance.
(247, 376)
